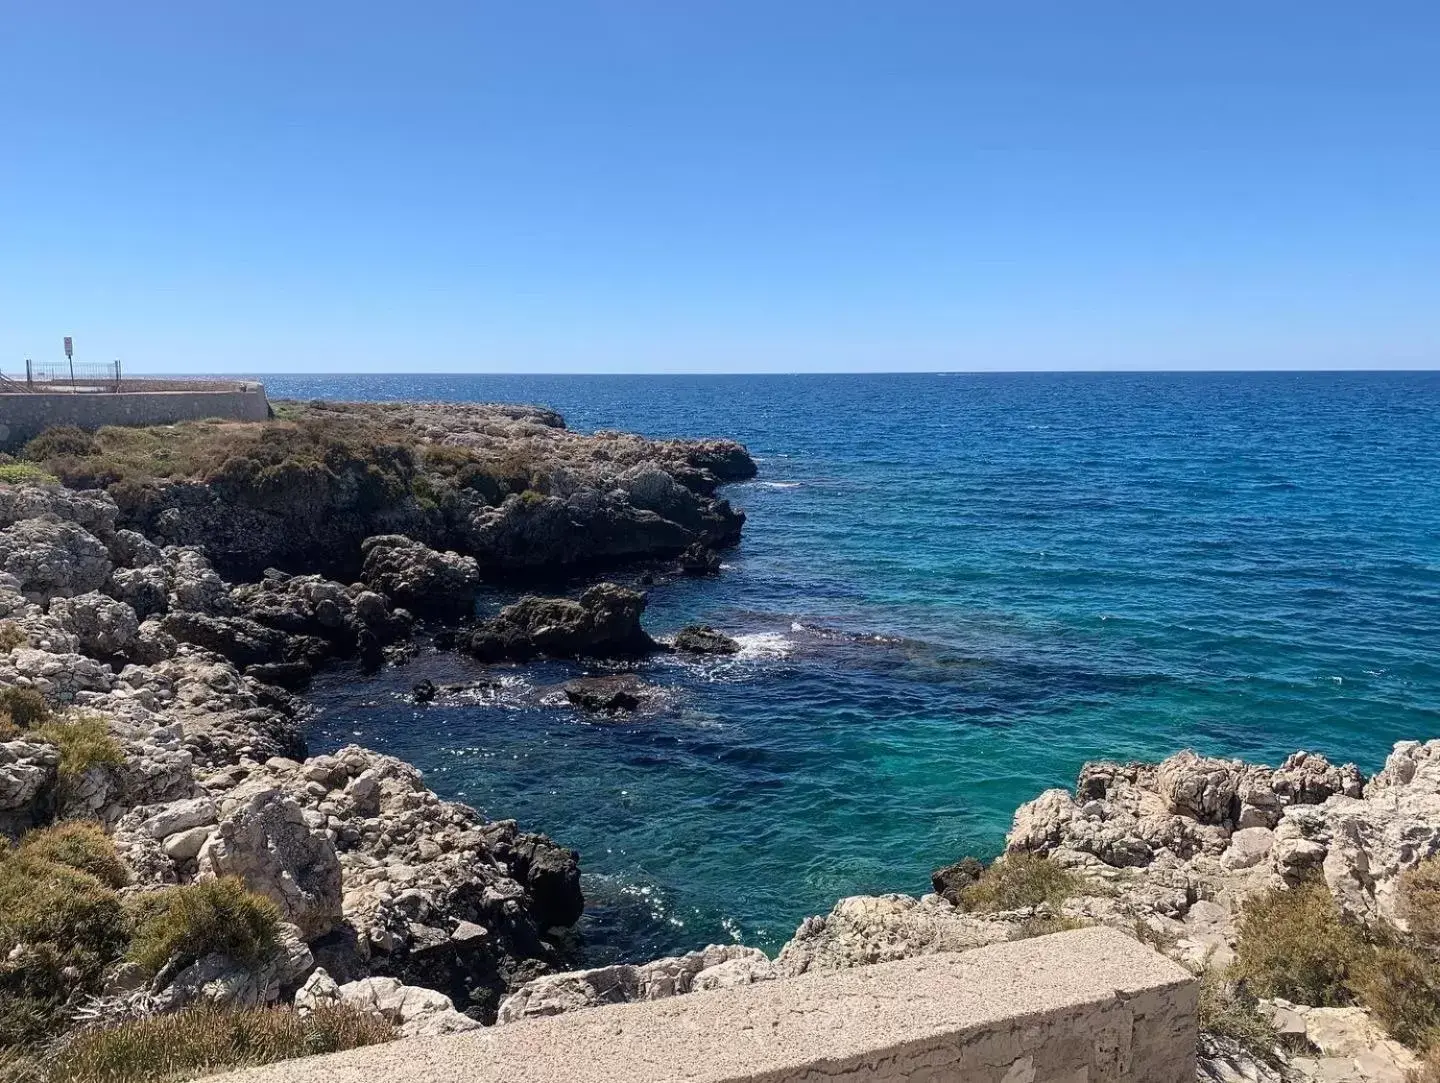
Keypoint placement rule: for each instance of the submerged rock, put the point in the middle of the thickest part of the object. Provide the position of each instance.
(699, 560)
(702, 639)
(604, 693)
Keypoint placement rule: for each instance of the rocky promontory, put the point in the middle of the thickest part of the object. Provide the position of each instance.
(510, 486)
(153, 765)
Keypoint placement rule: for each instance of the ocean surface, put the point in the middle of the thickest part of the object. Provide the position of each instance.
(952, 591)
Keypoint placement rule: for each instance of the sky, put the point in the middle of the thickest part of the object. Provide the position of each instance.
(704, 186)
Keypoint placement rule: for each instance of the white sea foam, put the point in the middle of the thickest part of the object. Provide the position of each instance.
(764, 645)
(778, 484)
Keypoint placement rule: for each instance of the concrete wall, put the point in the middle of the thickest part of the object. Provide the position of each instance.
(1091, 1006)
(27, 414)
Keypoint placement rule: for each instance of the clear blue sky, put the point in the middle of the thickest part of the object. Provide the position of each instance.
(688, 185)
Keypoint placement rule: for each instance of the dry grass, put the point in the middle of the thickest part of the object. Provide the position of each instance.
(84, 742)
(1429, 1070)
(178, 925)
(1295, 944)
(1418, 901)
(12, 636)
(313, 458)
(59, 925)
(26, 473)
(1225, 1009)
(25, 707)
(79, 845)
(1018, 880)
(203, 1041)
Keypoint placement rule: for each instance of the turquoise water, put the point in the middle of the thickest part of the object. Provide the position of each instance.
(953, 591)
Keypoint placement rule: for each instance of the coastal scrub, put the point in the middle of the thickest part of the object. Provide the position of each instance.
(206, 1040)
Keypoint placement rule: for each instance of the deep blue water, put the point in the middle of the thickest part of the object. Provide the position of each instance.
(955, 589)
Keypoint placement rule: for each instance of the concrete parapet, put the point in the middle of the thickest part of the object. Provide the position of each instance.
(25, 414)
(1090, 1006)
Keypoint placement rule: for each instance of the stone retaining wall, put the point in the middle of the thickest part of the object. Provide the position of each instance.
(27, 414)
(1091, 1006)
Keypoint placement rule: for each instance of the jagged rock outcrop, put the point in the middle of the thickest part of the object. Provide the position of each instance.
(414, 1011)
(604, 623)
(715, 967)
(865, 929)
(419, 578)
(266, 841)
(102, 626)
(510, 486)
(52, 557)
(698, 560)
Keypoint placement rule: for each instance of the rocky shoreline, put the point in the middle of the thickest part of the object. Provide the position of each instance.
(117, 626)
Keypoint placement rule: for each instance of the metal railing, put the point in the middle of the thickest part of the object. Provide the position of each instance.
(75, 375)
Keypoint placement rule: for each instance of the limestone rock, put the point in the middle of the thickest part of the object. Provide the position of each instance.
(51, 557)
(714, 967)
(417, 1012)
(865, 929)
(103, 626)
(268, 844)
(419, 578)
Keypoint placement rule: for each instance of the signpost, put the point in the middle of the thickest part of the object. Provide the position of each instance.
(70, 356)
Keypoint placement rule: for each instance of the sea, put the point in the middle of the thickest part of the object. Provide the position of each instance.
(953, 590)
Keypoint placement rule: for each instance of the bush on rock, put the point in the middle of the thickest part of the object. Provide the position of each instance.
(178, 925)
(203, 1041)
(1018, 880)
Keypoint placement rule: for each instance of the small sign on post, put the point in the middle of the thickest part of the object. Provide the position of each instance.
(69, 349)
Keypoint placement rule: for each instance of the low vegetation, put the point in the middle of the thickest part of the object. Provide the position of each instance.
(24, 707)
(79, 845)
(60, 925)
(1296, 944)
(63, 924)
(84, 741)
(203, 1041)
(310, 457)
(23, 473)
(1227, 1009)
(1429, 1070)
(1019, 880)
(176, 926)
(12, 636)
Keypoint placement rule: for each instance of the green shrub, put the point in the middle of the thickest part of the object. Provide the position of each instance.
(60, 440)
(1417, 900)
(203, 1041)
(1059, 923)
(17, 1066)
(25, 706)
(181, 924)
(84, 742)
(1429, 1070)
(1227, 1010)
(79, 845)
(59, 927)
(1018, 880)
(12, 636)
(21, 473)
(1401, 987)
(1295, 944)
